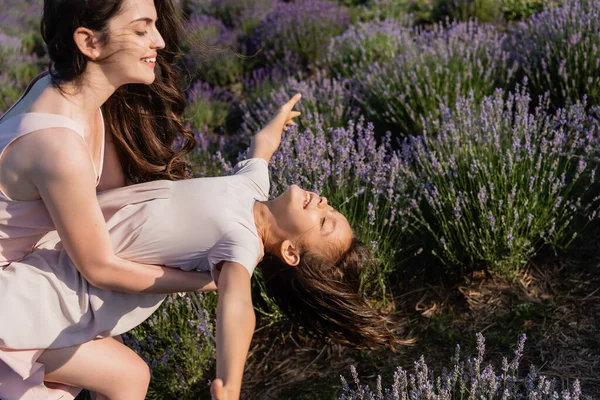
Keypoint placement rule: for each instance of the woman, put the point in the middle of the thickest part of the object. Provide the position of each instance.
(54, 153)
(224, 225)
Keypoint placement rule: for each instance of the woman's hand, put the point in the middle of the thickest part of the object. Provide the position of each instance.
(267, 140)
(220, 392)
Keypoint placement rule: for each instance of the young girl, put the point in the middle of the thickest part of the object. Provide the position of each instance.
(224, 225)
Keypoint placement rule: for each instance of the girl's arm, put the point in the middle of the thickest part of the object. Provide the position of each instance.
(235, 327)
(267, 140)
(64, 176)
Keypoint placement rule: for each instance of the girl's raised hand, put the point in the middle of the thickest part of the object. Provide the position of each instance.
(267, 141)
(285, 115)
(218, 391)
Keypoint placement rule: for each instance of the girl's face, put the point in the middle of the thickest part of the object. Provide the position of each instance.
(133, 43)
(307, 220)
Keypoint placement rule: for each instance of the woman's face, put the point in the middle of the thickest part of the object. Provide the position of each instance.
(133, 43)
(307, 220)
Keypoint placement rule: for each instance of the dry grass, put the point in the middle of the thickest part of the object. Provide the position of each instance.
(557, 304)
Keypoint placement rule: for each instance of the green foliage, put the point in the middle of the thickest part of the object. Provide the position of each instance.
(378, 10)
(205, 112)
(177, 342)
(465, 10)
(207, 107)
(523, 9)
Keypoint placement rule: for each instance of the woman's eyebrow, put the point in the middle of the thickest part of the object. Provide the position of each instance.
(150, 20)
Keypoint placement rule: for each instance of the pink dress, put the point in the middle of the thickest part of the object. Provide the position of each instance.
(22, 224)
(46, 303)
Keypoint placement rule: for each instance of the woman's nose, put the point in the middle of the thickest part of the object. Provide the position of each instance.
(323, 201)
(158, 42)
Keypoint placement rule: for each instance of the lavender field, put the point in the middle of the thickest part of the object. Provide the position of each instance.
(461, 139)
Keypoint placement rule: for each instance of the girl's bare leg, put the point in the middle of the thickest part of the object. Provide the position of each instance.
(105, 366)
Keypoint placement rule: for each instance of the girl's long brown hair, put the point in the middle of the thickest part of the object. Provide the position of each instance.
(326, 298)
(145, 120)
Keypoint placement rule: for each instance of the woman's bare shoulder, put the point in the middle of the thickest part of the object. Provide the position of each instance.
(49, 148)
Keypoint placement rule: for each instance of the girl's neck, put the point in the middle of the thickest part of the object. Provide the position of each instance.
(263, 219)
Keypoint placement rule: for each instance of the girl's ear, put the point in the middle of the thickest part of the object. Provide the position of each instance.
(85, 39)
(290, 253)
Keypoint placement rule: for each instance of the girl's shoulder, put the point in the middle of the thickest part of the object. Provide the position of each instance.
(256, 174)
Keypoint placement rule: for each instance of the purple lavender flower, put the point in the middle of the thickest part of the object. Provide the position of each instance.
(298, 31)
(483, 383)
(365, 43)
(467, 166)
(558, 50)
(440, 65)
(324, 99)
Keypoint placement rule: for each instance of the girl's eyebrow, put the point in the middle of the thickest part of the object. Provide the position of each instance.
(333, 224)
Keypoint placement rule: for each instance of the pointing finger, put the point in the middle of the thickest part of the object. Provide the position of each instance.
(293, 100)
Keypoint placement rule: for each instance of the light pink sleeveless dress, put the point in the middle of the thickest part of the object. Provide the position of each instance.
(22, 225)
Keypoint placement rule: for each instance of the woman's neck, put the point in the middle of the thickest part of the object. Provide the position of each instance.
(85, 97)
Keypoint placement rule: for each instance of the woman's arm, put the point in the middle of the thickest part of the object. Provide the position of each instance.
(64, 176)
(235, 327)
(267, 140)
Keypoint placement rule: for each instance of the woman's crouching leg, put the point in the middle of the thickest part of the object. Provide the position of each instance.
(105, 366)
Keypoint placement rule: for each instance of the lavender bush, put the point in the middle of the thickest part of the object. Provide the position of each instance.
(20, 16)
(16, 70)
(499, 182)
(464, 380)
(328, 98)
(465, 10)
(522, 9)
(379, 10)
(207, 107)
(210, 51)
(178, 343)
(559, 51)
(297, 34)
(208, 158)
(446, 62)
(351, 53)
(262, 81)
(243, 14)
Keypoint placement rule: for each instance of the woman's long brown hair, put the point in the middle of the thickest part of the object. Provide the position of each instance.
(145, 120)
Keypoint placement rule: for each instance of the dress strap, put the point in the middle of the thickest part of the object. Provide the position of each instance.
(25, 123)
